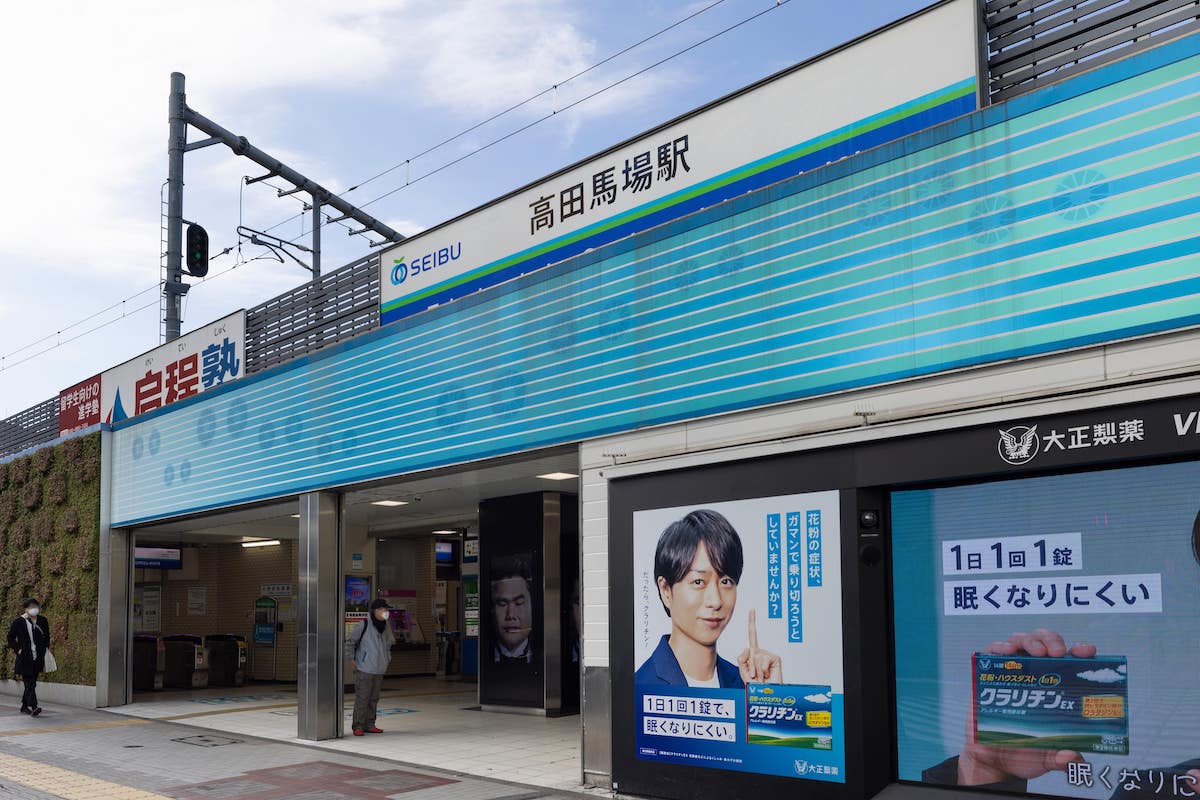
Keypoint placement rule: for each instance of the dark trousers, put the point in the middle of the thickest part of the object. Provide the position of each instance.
(29, 698)
(366, 700)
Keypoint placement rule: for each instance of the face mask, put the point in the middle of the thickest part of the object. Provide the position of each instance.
(384, 614)
(33, 612)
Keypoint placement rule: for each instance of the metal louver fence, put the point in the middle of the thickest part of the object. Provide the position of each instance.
(335, 307)
(1034, 42)
(31, 427)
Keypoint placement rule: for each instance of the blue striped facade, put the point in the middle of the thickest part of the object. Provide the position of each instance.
(1063, 218)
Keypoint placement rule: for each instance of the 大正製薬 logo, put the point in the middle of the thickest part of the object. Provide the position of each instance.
(1019, 444)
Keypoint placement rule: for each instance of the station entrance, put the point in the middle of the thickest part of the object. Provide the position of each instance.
(480, 570)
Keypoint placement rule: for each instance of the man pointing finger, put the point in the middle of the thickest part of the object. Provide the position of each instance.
(757, 665)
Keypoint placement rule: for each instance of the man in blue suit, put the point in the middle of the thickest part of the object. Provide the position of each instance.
(697, 566)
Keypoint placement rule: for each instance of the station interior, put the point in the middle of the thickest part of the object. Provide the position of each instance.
(215, 639)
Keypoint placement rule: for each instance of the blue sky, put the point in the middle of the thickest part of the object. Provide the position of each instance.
(338, 93)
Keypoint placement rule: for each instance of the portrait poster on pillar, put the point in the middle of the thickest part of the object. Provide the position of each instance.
(738, 636)
(511, 657)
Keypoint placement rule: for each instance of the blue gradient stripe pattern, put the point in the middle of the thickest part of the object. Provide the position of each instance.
(915, 115)
(991, 237)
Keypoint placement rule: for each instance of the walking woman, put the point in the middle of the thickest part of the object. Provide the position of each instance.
(28, 637)
(371, 642)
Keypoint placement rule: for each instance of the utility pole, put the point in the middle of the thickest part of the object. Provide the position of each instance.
(174, 289)
(180, 118)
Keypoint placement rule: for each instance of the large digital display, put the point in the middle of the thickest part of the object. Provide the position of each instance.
(738, 636)
(1046, 633)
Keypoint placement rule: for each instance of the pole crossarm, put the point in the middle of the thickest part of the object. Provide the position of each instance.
(242, 147)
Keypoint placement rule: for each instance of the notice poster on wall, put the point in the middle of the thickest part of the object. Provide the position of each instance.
(1046, 633)
(197, 601)
(147, 609)
(738, 636)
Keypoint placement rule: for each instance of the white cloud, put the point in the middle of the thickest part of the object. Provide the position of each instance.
(1122, 669)
(84, 141)
(1106, 675)
(825, 697)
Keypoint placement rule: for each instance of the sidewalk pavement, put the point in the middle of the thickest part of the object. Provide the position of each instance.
(79, 754)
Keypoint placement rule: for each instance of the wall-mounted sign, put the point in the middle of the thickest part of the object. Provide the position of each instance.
(157, 558)
(202, 360)
(834, 106)
(79, 406)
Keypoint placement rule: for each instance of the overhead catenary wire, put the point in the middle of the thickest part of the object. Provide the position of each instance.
(533, 123)
(5, 364)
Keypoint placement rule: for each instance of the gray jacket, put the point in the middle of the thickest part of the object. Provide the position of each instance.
(370, 650)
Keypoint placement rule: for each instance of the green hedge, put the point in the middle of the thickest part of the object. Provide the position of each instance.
(49, 548)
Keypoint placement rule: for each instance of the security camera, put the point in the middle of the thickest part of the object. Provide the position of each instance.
(868, 519)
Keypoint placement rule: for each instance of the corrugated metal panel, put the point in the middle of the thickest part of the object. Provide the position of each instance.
(31, 427)
(1034, 42)
(1058, 220)
(337, 306)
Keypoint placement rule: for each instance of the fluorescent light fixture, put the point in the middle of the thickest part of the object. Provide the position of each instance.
(295, 516)
(558, 476)
(444, 533)
(261, 543)
(390, 503)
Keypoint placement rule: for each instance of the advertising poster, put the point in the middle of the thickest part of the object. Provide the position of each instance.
(358, 593)
(1046, 633)
(196, 362)
(738, 636)
(512, 612)
(79, 406)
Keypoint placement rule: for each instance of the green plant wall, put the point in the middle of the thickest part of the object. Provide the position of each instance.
(49, 548)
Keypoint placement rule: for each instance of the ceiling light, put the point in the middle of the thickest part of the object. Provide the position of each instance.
(444, 533)
(390, 503)
(295, 516)
(261, 543)
(558, 476)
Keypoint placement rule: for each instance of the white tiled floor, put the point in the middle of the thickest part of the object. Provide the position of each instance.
(426, 722)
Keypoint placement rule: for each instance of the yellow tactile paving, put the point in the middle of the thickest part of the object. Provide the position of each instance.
(82, 726)
(66, 784)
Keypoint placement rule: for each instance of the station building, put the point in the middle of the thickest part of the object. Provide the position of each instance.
(840, 436)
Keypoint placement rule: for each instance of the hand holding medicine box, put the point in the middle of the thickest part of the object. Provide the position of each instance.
(1078, 704)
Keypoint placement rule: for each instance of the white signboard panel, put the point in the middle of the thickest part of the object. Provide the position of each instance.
(202, 360)
(898, 81)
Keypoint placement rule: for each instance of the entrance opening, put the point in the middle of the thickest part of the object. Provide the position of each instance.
(480, 570)
(214, 614)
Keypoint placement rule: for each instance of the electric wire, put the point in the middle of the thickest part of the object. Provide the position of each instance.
(5, 364)
(569, 106)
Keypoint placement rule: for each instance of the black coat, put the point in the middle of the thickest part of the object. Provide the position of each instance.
(18, 642)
